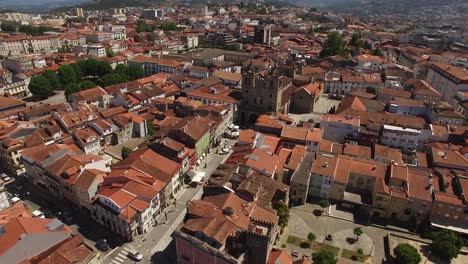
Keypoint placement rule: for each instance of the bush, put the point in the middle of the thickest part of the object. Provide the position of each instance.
(446, 244)
(283, 245)
(305, 244)
(311, 237)
(360, 251)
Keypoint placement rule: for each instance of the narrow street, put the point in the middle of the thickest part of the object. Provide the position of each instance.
(153, 244)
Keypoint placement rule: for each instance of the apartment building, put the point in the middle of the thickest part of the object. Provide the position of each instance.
(447, 79)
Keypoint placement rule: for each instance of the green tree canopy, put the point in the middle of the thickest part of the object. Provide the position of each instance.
(78, 72)
(71, 89)
(121, 69)
(358, 232)
(85, 85)
(67, 74)
(125, 152)
(356, 41)
(111, 79)
(324, 204)
(311, 237)
(446, 244)
(9, 27)
(90, 67)
(103, 68)
(53, 79)
(282, 210)
(109, 52)
(170, 26)
(324, 256)
(135, 72)
(333, 46)
(40, 87)
(406, 254)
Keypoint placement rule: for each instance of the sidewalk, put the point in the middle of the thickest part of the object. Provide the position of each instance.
(160, 236)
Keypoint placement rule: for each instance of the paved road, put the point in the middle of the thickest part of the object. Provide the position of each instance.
(156, 243)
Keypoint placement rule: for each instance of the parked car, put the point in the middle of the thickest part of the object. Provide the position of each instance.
(102, 245)
(4, 177)
(38, 214)
(67, 216)
(135, 255)
(224, 151)
(15, 199)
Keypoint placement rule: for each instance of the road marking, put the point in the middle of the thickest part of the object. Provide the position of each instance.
(116, 262)
(119, 259)
(121, 255)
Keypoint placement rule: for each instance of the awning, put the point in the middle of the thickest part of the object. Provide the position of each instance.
(459, 228)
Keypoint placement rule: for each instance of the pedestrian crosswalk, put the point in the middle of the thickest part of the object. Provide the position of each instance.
(121, 256)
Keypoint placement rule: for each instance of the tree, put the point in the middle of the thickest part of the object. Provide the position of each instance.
(111, 79)
(40, 87)
(377, 52)
(125, 152)
(311, 237)
(121, 69)
(85, 85)
(103, 68)
(78, 72)
(406, 254)
(109, 52)
(324, 204)
(356, 41)
(324, 256)
(170, 26)
(135, 72)
(67, 74)
(71, 89)
(282, 210)
(333, 46)
(371, 90)
(90, 67)
(53, 79)
(358, 232)
(9, 27)
(360, 252)
(446, 244)
(150, 126)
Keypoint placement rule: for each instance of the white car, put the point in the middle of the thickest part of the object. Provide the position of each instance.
(135, 255)
(4, 177)
(224, 151)
(15, 199)
(38, 214)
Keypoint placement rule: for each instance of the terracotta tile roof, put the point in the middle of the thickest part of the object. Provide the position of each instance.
(165, 62)
(357, 151)
(231, 76)
(152, 163)
(73, 250)
(279, 257)
(19, 226)
(92, 94)
(10, 102)
(448, 199)
(247, 136)
(257, 159)
(457, 72)
(351, 103)
(448, 158)
(209, 216)
(215, 92)
(16, 210)
(418, 182)
(296, 157)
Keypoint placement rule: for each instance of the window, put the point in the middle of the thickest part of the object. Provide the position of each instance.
(441, 206)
